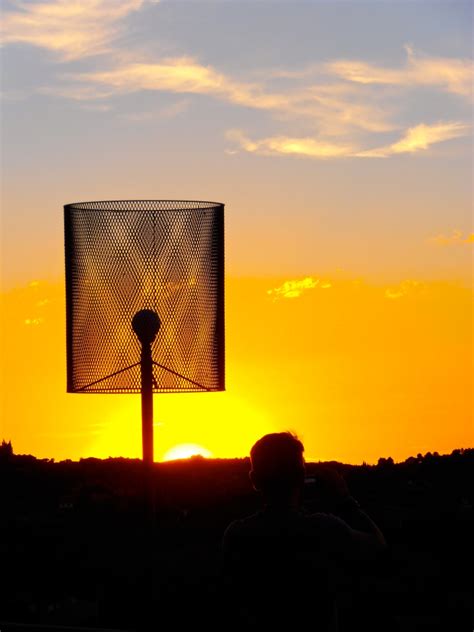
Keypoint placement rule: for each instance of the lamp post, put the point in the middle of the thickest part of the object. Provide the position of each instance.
(145, 311)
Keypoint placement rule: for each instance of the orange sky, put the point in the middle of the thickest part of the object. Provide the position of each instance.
(341, 145)
(357, 370)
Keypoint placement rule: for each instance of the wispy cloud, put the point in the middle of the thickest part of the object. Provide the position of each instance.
(74, 29)
(33, 322)
(455, 239)
(326, 110)
(448, 74)
(182, 74)
(179, 75)
(336, 99)
(415, 139)
(295, 288)
(330, 108)
(405, 287)
(337, 109)
(282, 145)
(419, 138)
(70, 28)
(422, 136)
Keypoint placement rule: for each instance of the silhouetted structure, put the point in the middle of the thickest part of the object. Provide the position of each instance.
(158, 264)
(145, 312)
(69, 541)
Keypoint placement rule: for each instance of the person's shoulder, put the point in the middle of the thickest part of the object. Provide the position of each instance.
(234, 527)
(243, 524)
(241, 528)
(327, 522)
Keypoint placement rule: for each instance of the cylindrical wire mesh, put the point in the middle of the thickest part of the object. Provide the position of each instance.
(130, 255)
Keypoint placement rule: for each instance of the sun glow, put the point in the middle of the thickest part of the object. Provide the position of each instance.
(304, 367)
(185, 451)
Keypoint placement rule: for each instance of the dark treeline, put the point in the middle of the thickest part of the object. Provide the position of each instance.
(72, 545)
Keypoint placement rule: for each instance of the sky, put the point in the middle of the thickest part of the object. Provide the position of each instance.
(339, 137)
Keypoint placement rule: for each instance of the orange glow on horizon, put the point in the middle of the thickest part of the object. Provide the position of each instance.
(356, 370)
(186, 451)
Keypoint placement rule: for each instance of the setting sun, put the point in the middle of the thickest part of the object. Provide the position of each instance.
(185, 451)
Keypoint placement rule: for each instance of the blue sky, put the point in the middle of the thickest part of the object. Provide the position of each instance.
(332, 119)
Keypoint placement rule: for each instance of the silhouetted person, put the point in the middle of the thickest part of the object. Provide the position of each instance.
(278, 563)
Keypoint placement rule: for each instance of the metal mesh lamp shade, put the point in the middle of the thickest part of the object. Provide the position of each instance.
(144, 299)
(160, 262)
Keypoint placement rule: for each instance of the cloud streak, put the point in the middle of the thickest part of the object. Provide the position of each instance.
(285, 146)
(295, 288)
(70, 28)
(448, 74)
(455, 239)
(330, 108)
(177, 75)
(33, 322)
(415, 139)
(419, 138)
(336, 112)
(403, 289)
(339, 107)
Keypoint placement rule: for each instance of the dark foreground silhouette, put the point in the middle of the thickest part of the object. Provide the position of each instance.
(280, 563)
(71, 545)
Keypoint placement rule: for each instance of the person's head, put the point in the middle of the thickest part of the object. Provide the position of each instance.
(277, 465)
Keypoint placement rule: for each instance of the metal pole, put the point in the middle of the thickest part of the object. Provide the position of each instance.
(147, 403)
(146, 616)
(146, 324)
(147, 432)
